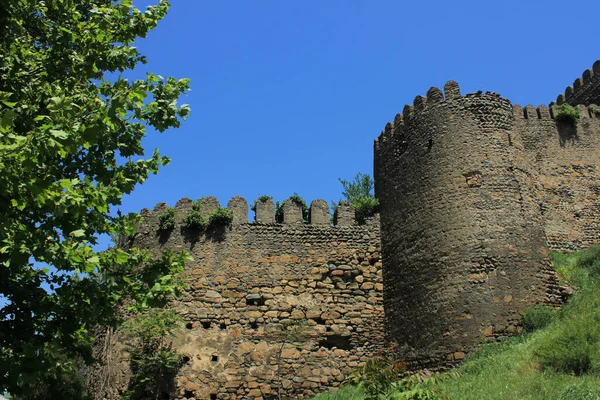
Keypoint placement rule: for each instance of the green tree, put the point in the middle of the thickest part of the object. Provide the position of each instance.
(360, 193)
(71, 130)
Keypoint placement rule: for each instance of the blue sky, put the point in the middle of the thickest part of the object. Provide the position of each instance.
(288, 96)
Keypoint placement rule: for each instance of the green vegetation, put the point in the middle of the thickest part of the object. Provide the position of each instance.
(220, 217)
(296, 199)
(566, 113)
(154, 362)
(535, 318)
(71, 133)
(558, 357)
(194, 220)
(359, 192)
(595, 110)
(166, 220)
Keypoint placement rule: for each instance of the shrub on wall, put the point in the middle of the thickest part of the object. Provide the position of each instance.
(166, 220)
(595, 110)
(194, 220)
(566, 113)
(220, 217)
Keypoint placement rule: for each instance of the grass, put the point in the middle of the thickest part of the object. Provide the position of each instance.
(559, 360)
(345, 393)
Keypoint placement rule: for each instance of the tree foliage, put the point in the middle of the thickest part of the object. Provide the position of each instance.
(360, 193)
(71, 130)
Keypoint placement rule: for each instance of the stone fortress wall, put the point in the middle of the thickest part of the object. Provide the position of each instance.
(475, 192)
(269, 303)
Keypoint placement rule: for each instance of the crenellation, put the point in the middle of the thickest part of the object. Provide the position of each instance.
(408, 112)
(435, 95)
(265, 212)
(451, 90)
(584, 112)
(292, 212)
(585, 90)
(344, 215)
(518, 112)
(530, 112)
(239, 206)
(543, 112)
(160, 207)
(419, 103)
(207, 206)
(319, 213)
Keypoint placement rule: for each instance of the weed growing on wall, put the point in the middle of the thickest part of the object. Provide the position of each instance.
(595, 110)
(220, 217)
(535, 318)
(568, 114)
(166, 220)
(194, 220)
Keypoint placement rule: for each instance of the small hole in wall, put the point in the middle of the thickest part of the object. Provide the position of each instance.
(319, 321)
(337, 341)
(189, 394)
(372, 261)
(214, 358)
(185, 359)
(328, 329)
(254, 325)
(213, 396)
(206, 324)
(189, 325)
(222, 326)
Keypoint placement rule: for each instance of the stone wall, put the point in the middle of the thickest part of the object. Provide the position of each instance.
(297, 304)
(565, 160)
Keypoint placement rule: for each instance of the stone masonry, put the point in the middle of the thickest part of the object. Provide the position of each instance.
(475, 192)
(297, 304)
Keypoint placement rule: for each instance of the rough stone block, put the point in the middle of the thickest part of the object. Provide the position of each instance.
(319, 213)
(239, 206)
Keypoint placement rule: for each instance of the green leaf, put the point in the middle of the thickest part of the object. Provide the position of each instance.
(7, 121)
(78, 233)
(59, 134)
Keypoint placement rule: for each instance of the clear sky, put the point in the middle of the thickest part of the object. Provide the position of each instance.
(288, 96)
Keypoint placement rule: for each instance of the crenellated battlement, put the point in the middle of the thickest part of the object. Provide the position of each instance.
(585, 90)
(549, 113)
(319, 214)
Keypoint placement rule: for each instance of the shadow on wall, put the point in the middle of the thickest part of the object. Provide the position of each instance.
(567, 133)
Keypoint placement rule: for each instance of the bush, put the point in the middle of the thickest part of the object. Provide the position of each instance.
(166, 220)
(535, 318)
(569, 351)
(220, 217)
(194, 220)
(566, 113)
